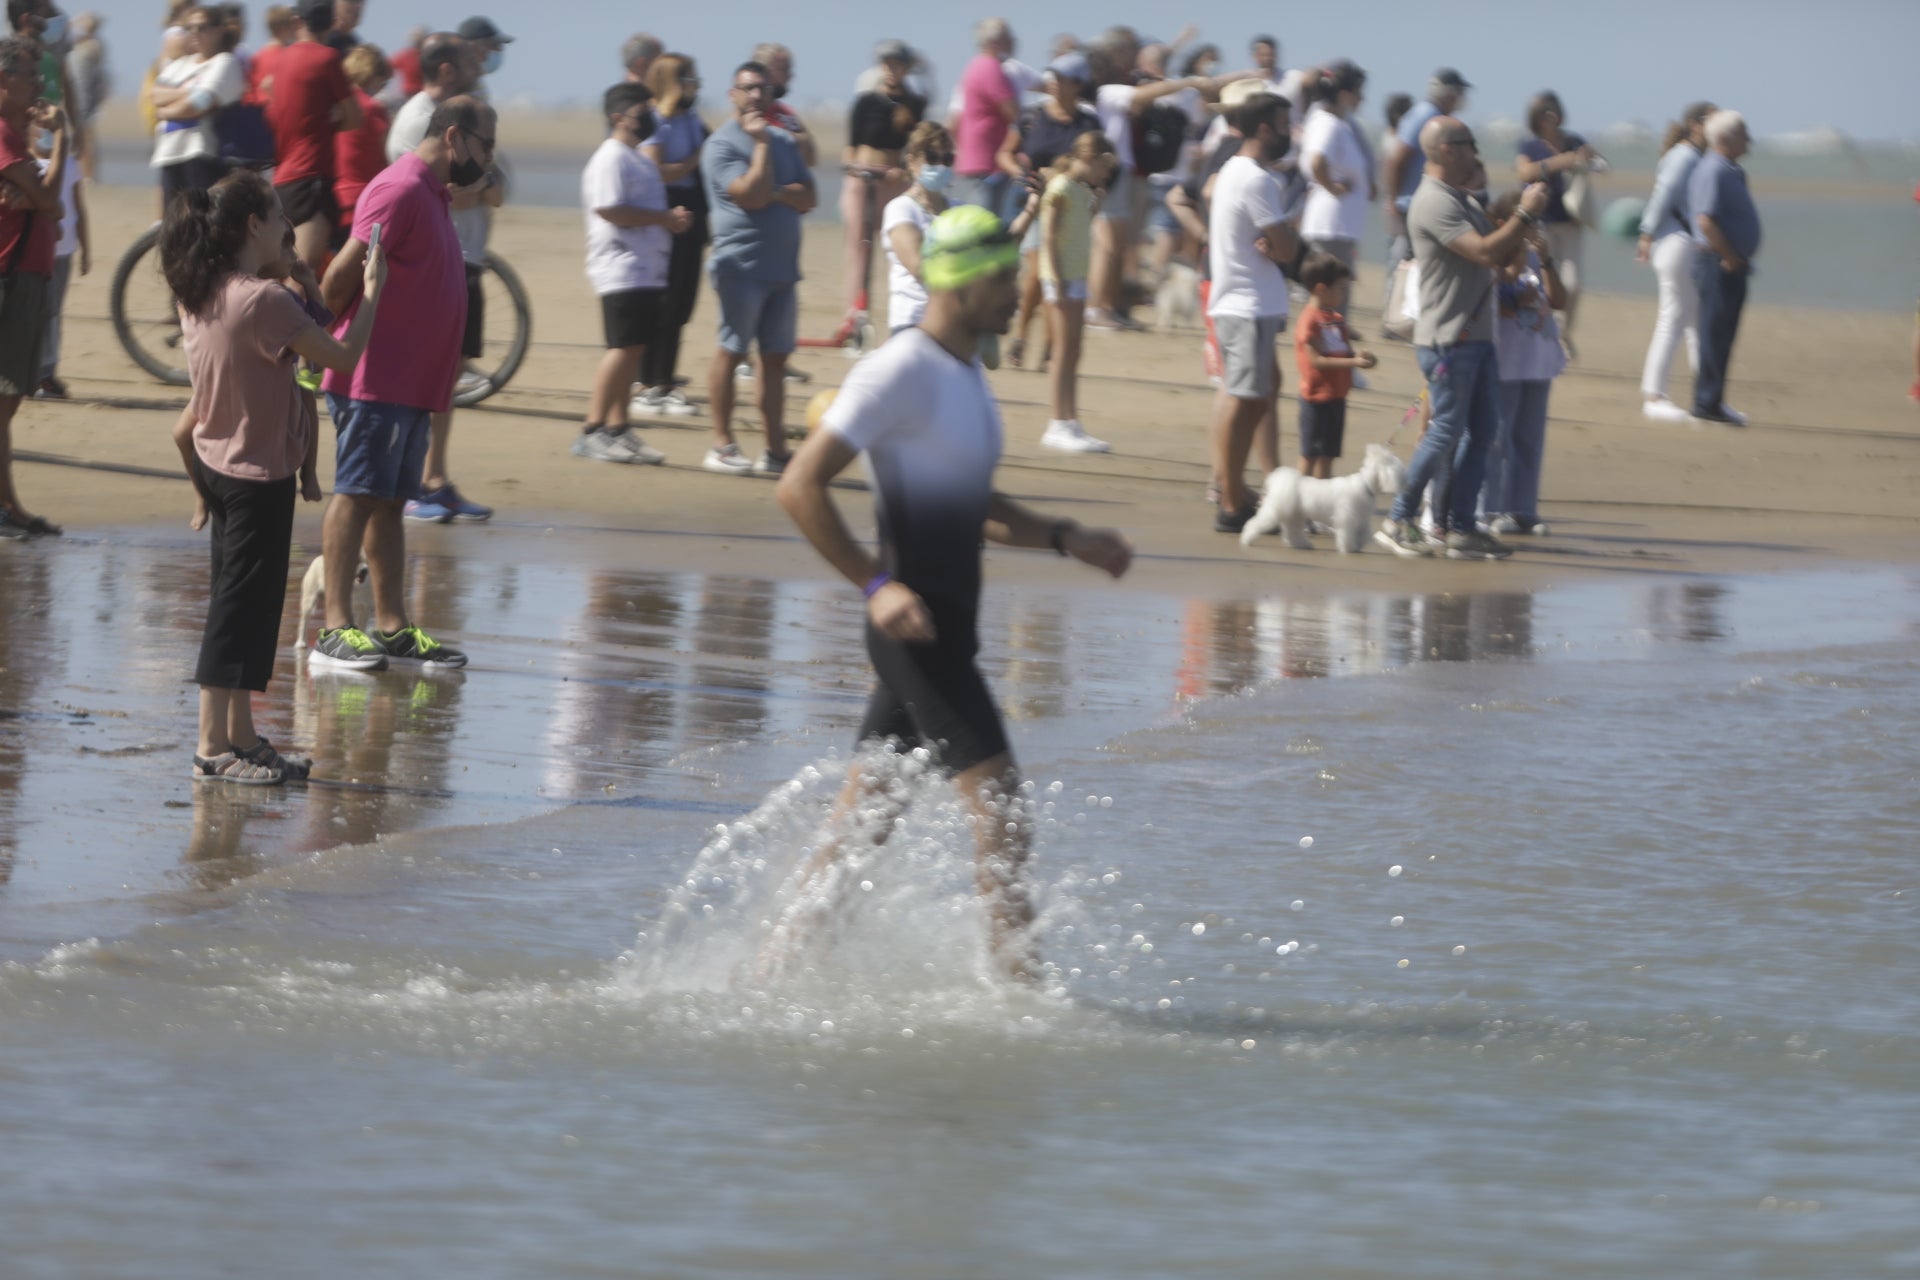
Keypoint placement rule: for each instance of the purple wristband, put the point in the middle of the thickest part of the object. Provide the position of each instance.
(876, 582)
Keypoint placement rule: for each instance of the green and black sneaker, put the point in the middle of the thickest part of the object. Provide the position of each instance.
(348, 649)
(411, 644)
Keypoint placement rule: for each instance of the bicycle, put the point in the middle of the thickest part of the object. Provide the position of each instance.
(147, 323)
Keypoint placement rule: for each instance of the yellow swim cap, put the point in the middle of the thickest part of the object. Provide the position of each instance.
(965, 244)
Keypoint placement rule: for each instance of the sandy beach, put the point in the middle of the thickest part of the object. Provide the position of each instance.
(1826, 471)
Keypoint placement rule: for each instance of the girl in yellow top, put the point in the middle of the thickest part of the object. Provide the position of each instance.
(1066, 251)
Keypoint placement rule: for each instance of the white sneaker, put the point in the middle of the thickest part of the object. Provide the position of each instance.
(616, 446)
(729, 460)
(1068, 436)
(1503, 524)
(469, 382)
(661, 402)
(1664, 410)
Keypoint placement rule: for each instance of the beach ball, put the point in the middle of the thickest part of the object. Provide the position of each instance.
(817, 408)
(1622, 217)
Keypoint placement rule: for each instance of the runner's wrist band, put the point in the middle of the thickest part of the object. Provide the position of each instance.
(876, 582)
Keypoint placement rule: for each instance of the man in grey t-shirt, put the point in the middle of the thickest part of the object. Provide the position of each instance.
(758, 186)
(1458, 251)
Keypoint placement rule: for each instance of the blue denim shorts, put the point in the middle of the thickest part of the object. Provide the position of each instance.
(379, 449)
(754, 313)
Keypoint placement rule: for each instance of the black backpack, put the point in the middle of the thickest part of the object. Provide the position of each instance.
(1159, 136)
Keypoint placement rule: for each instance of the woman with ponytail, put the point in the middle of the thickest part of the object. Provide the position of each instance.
(1339, 163)
(1666, 243)
(226, 253)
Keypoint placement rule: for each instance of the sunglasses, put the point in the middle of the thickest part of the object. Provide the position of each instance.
(1468, 143)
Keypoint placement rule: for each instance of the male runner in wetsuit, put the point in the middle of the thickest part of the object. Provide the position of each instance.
(922, 412)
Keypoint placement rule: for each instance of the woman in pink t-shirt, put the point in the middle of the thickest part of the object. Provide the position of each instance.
(225, 252)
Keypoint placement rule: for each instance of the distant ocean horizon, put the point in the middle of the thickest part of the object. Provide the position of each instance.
(1842, 229)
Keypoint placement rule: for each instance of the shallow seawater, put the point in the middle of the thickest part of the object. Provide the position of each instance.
(1568, 933)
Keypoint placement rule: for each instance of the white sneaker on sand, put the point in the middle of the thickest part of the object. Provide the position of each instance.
(601, 445)
(661, 402)
(729, 460)
(1664, 410)
(1068, 436)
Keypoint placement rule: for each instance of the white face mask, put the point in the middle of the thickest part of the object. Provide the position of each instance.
(936, 178)
(54, 36)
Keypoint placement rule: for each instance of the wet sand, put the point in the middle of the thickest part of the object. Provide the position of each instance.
(1827, 470)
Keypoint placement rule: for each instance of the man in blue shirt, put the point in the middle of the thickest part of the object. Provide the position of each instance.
(1726, 236)
(757, 188)
(1406, 163)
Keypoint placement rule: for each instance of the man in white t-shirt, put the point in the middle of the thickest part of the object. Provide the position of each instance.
(921, 411)
(1248, 238)
(630, 234)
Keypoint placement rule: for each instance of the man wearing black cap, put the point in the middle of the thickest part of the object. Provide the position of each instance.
(346, 23)
(309, 100)
(489, 40)
(1406, 162)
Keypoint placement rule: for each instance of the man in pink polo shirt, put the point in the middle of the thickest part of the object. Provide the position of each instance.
(989, 104)
(382, 414)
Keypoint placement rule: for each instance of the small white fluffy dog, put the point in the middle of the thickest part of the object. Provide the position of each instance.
(1176, 303)
(313, 590)
(1344, 502)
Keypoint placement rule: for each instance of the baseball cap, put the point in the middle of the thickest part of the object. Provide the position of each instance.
(893, 51)
(1448, 78)
(1071, 66)
(482, 29)
(317, 14)
(965, 244)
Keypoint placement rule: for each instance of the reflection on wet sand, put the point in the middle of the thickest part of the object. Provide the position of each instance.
(1232, 645)
(651, 688)
(24, 657)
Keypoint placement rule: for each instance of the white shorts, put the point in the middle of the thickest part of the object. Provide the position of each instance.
(1071, 290)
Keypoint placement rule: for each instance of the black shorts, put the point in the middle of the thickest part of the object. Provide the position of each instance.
(932, 695)
(305, 199)
(1323, 428)
(473, 341)
(632, 316)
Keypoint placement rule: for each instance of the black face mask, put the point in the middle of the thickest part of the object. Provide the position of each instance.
(646, 126)
(1276, 151)
(777, 91)
(464, 173)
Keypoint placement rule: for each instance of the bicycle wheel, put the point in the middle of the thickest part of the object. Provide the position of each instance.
(145, 318)
(506, 333)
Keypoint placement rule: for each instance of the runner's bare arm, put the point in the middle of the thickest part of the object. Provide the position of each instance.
(342, 283)
(1013, 525)
(802, 493)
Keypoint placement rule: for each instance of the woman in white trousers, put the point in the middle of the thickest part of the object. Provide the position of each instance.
(1666, 241)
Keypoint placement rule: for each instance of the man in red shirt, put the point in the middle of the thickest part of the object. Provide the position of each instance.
(281, 28)
(29, 226)
(406, 65)
(309, 101)
(382, 413)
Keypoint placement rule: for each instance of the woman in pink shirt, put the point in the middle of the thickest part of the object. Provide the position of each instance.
(225, 255)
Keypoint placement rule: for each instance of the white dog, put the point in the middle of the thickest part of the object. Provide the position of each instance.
(1176, 303)
(1345, 502)
(313, 591)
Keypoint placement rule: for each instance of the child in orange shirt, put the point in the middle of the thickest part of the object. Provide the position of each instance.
(1324, 346)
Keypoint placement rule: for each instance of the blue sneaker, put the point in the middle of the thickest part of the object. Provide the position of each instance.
(465, 510)
(428, 510)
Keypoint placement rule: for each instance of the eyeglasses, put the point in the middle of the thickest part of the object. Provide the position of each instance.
(1466, 142)
(757, 86)
(936, 157)
(480, 138)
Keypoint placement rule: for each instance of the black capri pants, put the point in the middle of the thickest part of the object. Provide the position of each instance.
(252, 527)
(662, 360)
(932, 695)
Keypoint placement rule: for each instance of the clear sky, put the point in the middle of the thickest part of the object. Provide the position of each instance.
(1791, 65)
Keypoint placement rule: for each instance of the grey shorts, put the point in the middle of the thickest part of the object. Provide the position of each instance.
(1248, 350)
(23, 324)
(754, 313)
